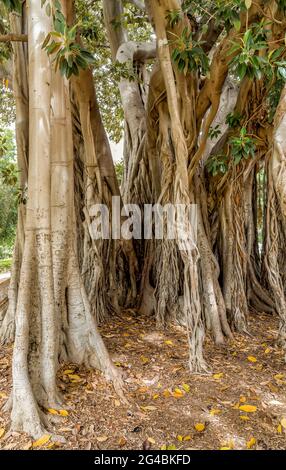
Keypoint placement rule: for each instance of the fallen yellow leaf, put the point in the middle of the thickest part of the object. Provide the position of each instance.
(186, 387)
(3, 395)
(171, 447)
(218, 376)
(2, 432)
(163, 447)
(278, 376)
(248, 408)
(251, 443)
(52, 411)
(169, 342)
(215, 412)
(226, 448)
(151, 440)
(178, 393)
(252, 359)
(200, 427)
(74, 377)
(244, 418)
(63, 413)
(144, 359)
(279, 429)
(242, 399)
(187, 438)
(68, 371)
(166, 393)
(267, 351)
(42, 441)
(180, 438)
(156, 396)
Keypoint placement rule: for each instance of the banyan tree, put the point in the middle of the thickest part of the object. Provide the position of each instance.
(202, 88)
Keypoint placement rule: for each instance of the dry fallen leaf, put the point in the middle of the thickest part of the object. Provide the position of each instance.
(251, 443)
(200, 427)
(63, 413)
(180, 438)
(2, 432)
(122, 442)
(244, 417)
(149, 408)
(187, 438)
(186, 387)
(169, 342)
(279, 429)
(102, 438)
(52, 411)
(68, 371)
(151, 440)
(267, 351)
(215, 412)
(156, 396)
(42, 441)
(248, 408)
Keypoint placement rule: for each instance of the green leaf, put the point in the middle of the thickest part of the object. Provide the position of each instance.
(48, 9)
(282, 73)
(237, 24)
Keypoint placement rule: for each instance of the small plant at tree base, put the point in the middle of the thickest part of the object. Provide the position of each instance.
(242, 147)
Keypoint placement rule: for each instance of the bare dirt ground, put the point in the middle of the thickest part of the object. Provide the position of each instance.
(241, 404)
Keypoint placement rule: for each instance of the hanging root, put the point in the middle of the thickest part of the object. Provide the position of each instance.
(168, 279)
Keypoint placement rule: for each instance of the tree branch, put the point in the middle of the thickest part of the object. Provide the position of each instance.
(138, 4)
(13, 37)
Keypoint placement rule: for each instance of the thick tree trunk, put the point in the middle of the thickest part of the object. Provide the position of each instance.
(53, 317)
